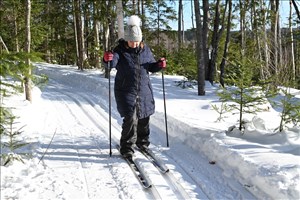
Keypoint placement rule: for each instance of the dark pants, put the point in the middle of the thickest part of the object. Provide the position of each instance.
(134, 131)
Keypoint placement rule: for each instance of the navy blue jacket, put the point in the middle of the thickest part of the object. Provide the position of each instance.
(132, 83)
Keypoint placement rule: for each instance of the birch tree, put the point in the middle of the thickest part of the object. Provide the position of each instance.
(255, 12)
(27, 80)
(96, 33)
(242, 26)
(16, 27)
(274, 35)
(292, 45)
(120, 18)
(266, 47)
(4, 45)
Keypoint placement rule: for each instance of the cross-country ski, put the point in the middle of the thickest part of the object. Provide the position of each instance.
(149, 99)
(154, 159)
(72, 152)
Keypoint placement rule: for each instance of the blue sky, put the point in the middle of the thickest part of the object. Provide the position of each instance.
(284, 13)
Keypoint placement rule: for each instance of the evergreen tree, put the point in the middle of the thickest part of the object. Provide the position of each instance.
(243, 95)
(290, 113)
(12, 68)
(10, 143)
(160, 14)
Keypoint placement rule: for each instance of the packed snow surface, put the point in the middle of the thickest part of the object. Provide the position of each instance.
(67, 126)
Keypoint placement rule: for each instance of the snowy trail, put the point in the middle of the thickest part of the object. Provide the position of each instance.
(85, 114)
(205, 162)
(85, 140)
(168, 179)
(72, 148)
(88, 150)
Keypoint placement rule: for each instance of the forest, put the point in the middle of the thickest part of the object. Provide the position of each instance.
(246, 53)
(229, 39)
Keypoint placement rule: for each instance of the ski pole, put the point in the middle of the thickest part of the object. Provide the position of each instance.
(48, 146)
(164, 96)
(109, 109)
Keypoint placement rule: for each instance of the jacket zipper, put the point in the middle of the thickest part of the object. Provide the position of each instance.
(138, 73)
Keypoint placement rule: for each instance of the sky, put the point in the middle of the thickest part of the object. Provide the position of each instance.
(68, 138)
(284, 13)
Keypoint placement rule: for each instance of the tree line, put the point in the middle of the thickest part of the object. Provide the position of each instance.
(224, 34)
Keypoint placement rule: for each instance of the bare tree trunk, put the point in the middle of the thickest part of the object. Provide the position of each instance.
(223, 62)
(120, 18)
(27, 28)
(112, 37)
(97, 43)
(205, 38)
(183, 32)
(296, 8)
(75, 33)
(86, 29)
(265, 73)
(48, 53)
(17, 48)
(179, 24)
(192, 14)
(199, 50)
(107, 32)
(4, 45)
(158, 23)
(274, 36)
(217, 34)
(256, 34)
(214, 43)
(134, 7)
(242, 26)
(280, 54)
(143, 14)
(292, 46)
(80, 33)
(27, 80)
(138, 7)
(96, 34)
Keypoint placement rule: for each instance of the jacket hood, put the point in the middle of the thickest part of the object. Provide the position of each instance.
(123, 46)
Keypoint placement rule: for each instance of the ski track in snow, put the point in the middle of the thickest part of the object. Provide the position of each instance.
(84, 149)
(86, 107)
(88, 110)
(82, 146)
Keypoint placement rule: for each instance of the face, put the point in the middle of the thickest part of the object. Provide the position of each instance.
(133, 44)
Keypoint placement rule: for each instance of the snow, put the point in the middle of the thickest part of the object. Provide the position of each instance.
(67, 128)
